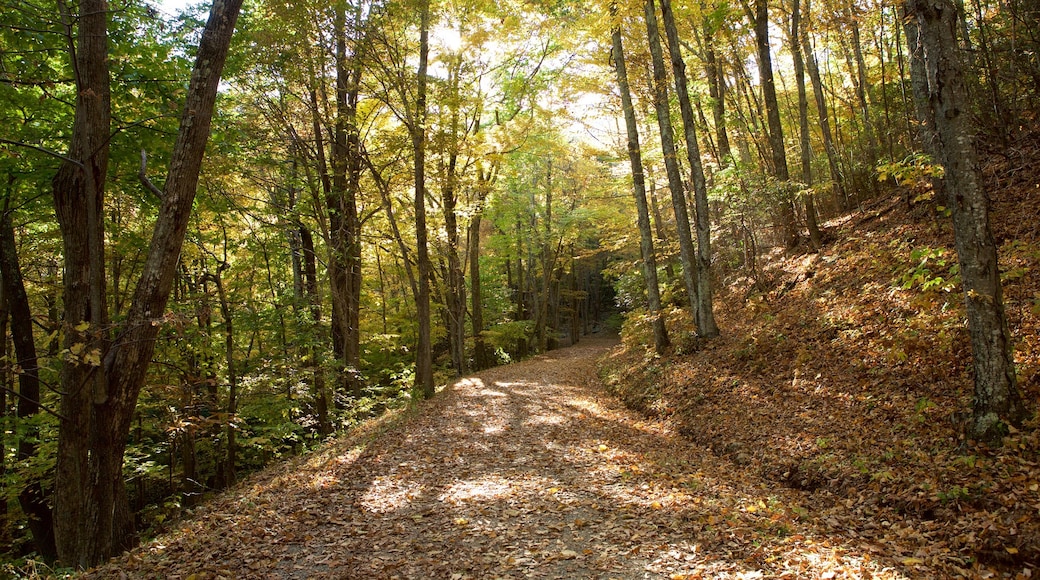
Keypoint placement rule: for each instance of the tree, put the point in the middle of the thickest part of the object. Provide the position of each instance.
(997, 401)
(704, 314)
(803, 121)
(759, 17)
(424, 348)
(646, 237)
(102, 376)
(664, 122)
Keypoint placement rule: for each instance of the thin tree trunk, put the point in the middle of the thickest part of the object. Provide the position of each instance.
(424, 348)
(481, 356)
(646, 237)
(717, 92)
(760, 19)
(310, 286)
(815, 238)
(927, 135)
(31, 497)
(823, 117)
(704, 314)
(687, 253)
(228, 473)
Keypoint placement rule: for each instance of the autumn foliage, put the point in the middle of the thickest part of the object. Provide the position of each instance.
(845, 376)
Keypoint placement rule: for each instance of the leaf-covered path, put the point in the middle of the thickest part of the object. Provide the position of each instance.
(524, 471)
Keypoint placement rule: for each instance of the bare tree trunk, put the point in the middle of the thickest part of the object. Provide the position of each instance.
(759, 17)
(704, 314)
(344, 224)
(32, 497)
(424, 348)
(824, 119)
(310, 287)
(803, 123)
(997, 400)
(687, 253)
(646, 237)
(717, 92)
(927, 135)
(481, 356)
(227, 468)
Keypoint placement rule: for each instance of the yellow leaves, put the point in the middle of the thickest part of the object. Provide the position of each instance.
(1011, 550)
(93, 358)
(602, 448)
(82, 326)
(756, 507)
(78, 353)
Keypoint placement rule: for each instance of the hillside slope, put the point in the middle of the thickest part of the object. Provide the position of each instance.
(850, 378)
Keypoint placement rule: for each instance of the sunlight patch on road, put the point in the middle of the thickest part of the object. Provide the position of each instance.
(387, 494)
(490, 487)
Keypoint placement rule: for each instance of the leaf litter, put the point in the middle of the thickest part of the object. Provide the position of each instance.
(526, 471)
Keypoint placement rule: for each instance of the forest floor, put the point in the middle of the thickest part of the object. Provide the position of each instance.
(846, 375)
(524, 471)
(821, 436)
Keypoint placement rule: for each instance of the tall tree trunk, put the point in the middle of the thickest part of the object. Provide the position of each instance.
(704, 314)
(778, 154)
(687, 254)
(344, 224)
(646, 237)
(481, 356)
(227, 468)
(424, 348)
(31, 497)
(79, 200)
(927, 135)
(996, 400)
(92, 516)
(815, 238)
(823, 118)
(310, 285)
(860, 81)
(455, 280)
(717, 92)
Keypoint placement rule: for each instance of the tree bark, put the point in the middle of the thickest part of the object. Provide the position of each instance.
(687, 254)
(646, 237)
(92, 518)
(785, 210)
(997, 401)
(927, 135)
(424, 346)
(344, 223)
(704, 314)
(824, 119)
(815, 237)
(32, 497)
(717, 92)
(481, 356)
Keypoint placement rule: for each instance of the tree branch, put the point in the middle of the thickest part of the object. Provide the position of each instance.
(42, 150)
(143, 176)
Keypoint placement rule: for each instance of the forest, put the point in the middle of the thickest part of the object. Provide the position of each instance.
(236, 231)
